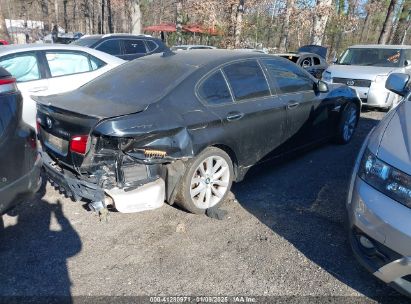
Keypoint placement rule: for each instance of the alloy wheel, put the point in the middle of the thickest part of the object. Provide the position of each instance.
(210, 182)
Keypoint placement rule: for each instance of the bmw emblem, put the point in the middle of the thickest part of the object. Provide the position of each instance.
(49, 122)
(350, 82)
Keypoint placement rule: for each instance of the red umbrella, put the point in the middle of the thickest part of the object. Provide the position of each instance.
(164, 27)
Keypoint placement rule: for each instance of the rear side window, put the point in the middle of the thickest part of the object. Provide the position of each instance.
(111, 47)
(151, 45)
(289, 77)
(134, 47)
(23, 67)
(247, 80)
(96, 63)
(214, 90)
(67, 63)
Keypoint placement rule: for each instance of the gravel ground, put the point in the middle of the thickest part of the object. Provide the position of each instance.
(284, 235)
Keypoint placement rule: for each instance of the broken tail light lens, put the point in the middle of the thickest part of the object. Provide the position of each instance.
(8, 85)
(78, 144)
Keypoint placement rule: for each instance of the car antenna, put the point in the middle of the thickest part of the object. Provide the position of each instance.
(168, 53)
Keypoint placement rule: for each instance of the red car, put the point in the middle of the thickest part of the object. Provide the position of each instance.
(3, 42)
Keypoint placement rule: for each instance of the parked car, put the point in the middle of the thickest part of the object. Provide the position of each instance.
(366, 69)
(192, 47)
(63, 38)
(124, 46)
(183, 126)
(311, 58)
(44, 69)
(379, 200)
(20, 162)
(3, 42)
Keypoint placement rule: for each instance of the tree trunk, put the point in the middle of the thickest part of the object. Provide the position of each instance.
(102, 17)
(239, 23)
(65, 15)
(286, 26)
(320, 21)
(109, 17)
(403, 23)
(45, 15)
(179, 20)
(136, 17)
(386, 28)
(4, 34)
(56, 11)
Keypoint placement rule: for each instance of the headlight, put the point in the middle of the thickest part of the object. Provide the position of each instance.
(327, 76)
(381, 78)
(390, 181)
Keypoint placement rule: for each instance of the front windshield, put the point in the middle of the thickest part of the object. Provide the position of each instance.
(371, 57)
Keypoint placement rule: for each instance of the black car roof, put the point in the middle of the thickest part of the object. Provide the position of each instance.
(204, 57)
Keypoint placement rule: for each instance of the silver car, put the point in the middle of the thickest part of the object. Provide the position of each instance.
(366, 68)
(379, 199)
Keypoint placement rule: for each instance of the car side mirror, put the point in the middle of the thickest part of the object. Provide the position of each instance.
(397, 83)
(335, 60)
(322, 87)
(407, 62)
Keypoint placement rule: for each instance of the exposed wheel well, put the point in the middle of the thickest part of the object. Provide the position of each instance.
(232, 155)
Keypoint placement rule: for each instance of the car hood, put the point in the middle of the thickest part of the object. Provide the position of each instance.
(395, 144)
(358, 71)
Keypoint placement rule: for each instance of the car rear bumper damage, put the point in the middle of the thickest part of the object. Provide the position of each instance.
(149, 193)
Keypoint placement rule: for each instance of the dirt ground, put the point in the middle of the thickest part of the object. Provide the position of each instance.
(284, 235)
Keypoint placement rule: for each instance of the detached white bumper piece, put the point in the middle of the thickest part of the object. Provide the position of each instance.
(147, 197)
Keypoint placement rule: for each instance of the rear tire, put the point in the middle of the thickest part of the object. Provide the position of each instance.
(206, 182)
(348, 123)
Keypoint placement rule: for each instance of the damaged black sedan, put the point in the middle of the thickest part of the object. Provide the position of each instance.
(182, 127)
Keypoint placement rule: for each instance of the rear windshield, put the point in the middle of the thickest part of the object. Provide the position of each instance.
(141, 81)
(86, 41)
(371, 57)
(291, 58)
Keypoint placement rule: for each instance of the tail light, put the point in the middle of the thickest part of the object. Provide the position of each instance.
(8, 85)
(78, 144)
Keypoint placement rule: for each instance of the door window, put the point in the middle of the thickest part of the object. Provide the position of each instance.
(23, 67)
(214, 90)
(67, 63)
(289, 77)
(133, 46)
(151, 45)
(111, 47)
(247, 80)
(316, 60)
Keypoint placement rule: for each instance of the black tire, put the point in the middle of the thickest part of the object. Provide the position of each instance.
(346, 115)
(183, 197)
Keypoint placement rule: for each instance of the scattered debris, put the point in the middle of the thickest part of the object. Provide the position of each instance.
(216, 213)
(181, 228)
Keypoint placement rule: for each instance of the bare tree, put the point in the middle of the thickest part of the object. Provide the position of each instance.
(239, 23)
(322, 9)
(136, 17)
(404, 23)
(109, 17)
(286, 25)
(385, 32)
(3, 29)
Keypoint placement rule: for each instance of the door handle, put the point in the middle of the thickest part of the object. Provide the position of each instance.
(293, 105)
(37, 89)
(234, 116)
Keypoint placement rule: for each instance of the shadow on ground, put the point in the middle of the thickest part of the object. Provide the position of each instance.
(33, 253)
(303, 200)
